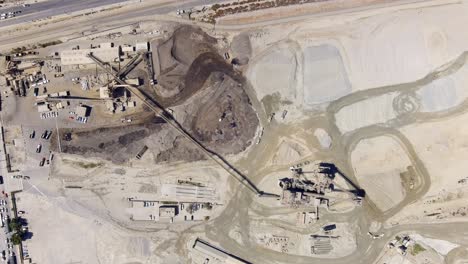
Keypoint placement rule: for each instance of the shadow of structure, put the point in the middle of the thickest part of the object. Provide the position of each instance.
(331, 170)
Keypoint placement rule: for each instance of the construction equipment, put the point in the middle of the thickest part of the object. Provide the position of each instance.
(126, 69)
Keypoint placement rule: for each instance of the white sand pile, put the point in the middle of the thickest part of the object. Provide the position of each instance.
(438, 95)
(323, 138)
(275, 73)
(325, 78)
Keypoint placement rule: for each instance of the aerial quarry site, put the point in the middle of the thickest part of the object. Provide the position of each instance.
(234, 131)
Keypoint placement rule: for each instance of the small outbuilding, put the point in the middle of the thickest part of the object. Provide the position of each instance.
(104, 92)
(81, 111)
(141, 46)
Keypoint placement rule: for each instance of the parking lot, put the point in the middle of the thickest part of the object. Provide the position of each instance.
(7, 251)
(35, 172)
(37, 143)
(34, 142)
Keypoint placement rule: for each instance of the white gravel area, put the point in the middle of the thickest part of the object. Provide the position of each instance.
(275, 73)
(325, 78)
(442, 247)
(370, 111)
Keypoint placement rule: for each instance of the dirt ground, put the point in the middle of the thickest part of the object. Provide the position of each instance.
(225, 121)
(114, 143)
(178, 60)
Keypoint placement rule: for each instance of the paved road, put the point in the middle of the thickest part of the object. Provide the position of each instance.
(49, 8)
(138, 12)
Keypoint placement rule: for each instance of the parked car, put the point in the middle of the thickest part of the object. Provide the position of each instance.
(1, 180)
(42, 162)
(44, 135)
(33, 134)
(49, 133)
(39, 148)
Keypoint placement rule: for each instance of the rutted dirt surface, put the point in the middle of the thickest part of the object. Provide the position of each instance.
(225, 121)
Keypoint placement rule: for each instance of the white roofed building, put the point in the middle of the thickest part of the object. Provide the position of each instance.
(141, 46)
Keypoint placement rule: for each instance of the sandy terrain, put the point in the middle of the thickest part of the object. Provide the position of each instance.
(379, 172)
(433, 39)
(93, 241)
(325, 78)
(444, 93)
(441, 151)
(361, 41)
(289, 152)
(375, 110)
(280, 61)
